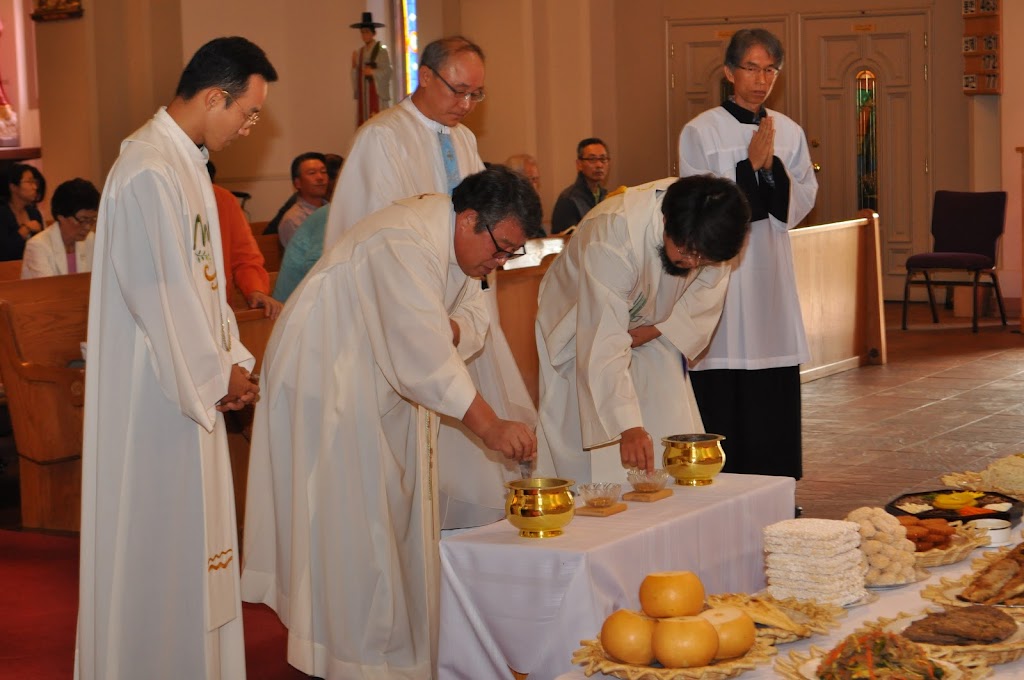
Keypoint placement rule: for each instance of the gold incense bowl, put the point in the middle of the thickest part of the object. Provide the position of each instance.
(539, 507)
(693, 459)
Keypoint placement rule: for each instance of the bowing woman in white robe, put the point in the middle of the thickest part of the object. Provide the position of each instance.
(399, 153)
(748, 382)
(158, 589)
(341, 526)
(640, 286)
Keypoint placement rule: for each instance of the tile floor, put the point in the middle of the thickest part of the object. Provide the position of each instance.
(948, 400)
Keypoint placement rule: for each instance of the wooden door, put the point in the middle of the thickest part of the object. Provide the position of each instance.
(893, 47)
(696, 51)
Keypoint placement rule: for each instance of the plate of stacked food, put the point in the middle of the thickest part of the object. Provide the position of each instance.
(681, 635)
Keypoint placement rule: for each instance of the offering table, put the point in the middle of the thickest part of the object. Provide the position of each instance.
(889, 603)
(525, 603)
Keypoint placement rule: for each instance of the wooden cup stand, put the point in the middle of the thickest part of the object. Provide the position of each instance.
(615, 508)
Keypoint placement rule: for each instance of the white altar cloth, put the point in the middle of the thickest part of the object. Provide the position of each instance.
(525, 603)
(889, 603)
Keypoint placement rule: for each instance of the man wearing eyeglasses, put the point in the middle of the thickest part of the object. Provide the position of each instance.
(642, 282)
(420, 145)
(748, 383)
(159, 585)
(592, 164)
(342, 530)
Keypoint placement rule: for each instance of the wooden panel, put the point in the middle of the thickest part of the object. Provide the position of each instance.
(273, 251)
(517, 305)
(258, 227)
(10, 270)
(838, 276)
(50, 494)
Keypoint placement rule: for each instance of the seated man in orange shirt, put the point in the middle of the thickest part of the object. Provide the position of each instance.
(243, 261)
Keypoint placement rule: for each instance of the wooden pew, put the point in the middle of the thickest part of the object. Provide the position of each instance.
(10, 270)
(42, 323)
(273, 251)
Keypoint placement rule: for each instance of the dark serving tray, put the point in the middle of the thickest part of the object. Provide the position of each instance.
(1013, 514)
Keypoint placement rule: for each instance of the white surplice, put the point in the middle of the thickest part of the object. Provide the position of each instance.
(761, 326)
(341, 533)
(158, 595)
(593, 386)
(394, 155)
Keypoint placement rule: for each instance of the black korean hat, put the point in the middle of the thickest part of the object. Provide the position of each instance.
(367, 22)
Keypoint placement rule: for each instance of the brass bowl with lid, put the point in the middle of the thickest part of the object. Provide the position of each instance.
(540, 507)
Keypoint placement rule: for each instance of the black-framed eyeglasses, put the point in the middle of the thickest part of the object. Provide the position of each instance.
(85, 221)
(501, 253)
(770, 72)
(595, 159)
(250, 118)
(475, 96)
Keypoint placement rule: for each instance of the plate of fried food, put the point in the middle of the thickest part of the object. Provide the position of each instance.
(975, 635)
(874, 653)
(938, 542)
(996, 578)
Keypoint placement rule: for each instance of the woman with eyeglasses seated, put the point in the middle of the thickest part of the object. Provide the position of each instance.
(65, 247)
(20, 219)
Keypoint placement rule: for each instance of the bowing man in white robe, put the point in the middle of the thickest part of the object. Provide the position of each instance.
(421, 146)
(748, 382)
(341, 525)
(159, 588)
(640, 286)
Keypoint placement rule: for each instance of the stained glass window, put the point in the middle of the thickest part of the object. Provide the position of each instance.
(410, 46)
(867, 143)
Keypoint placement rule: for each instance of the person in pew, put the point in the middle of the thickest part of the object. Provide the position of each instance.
(243, 261)
(640, 286)
(66, 246)
(341, 521)
(760, 343)
(420, 145)
(592, 165)
(309, 177)
(334, 163)
(159, 579)
(303, 251)
(20, 218)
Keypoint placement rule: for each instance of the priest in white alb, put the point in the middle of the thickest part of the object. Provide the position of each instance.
(159, 588)
(341, 524)
(417, 146)
(637, 290)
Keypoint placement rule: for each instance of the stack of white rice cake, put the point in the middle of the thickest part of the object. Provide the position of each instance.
(815, 559)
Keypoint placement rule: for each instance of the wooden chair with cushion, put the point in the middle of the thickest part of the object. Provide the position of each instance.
(966, 226)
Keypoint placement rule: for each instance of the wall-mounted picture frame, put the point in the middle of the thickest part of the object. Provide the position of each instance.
(57, 10)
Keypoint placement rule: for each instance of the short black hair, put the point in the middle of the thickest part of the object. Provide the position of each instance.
(74, 195)
(225, 63)
(436, 54)
(333, 162)
(14, 173)
(745, 38)
(498, 193)
(707, 215)
(302, 158)
(587, 142)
